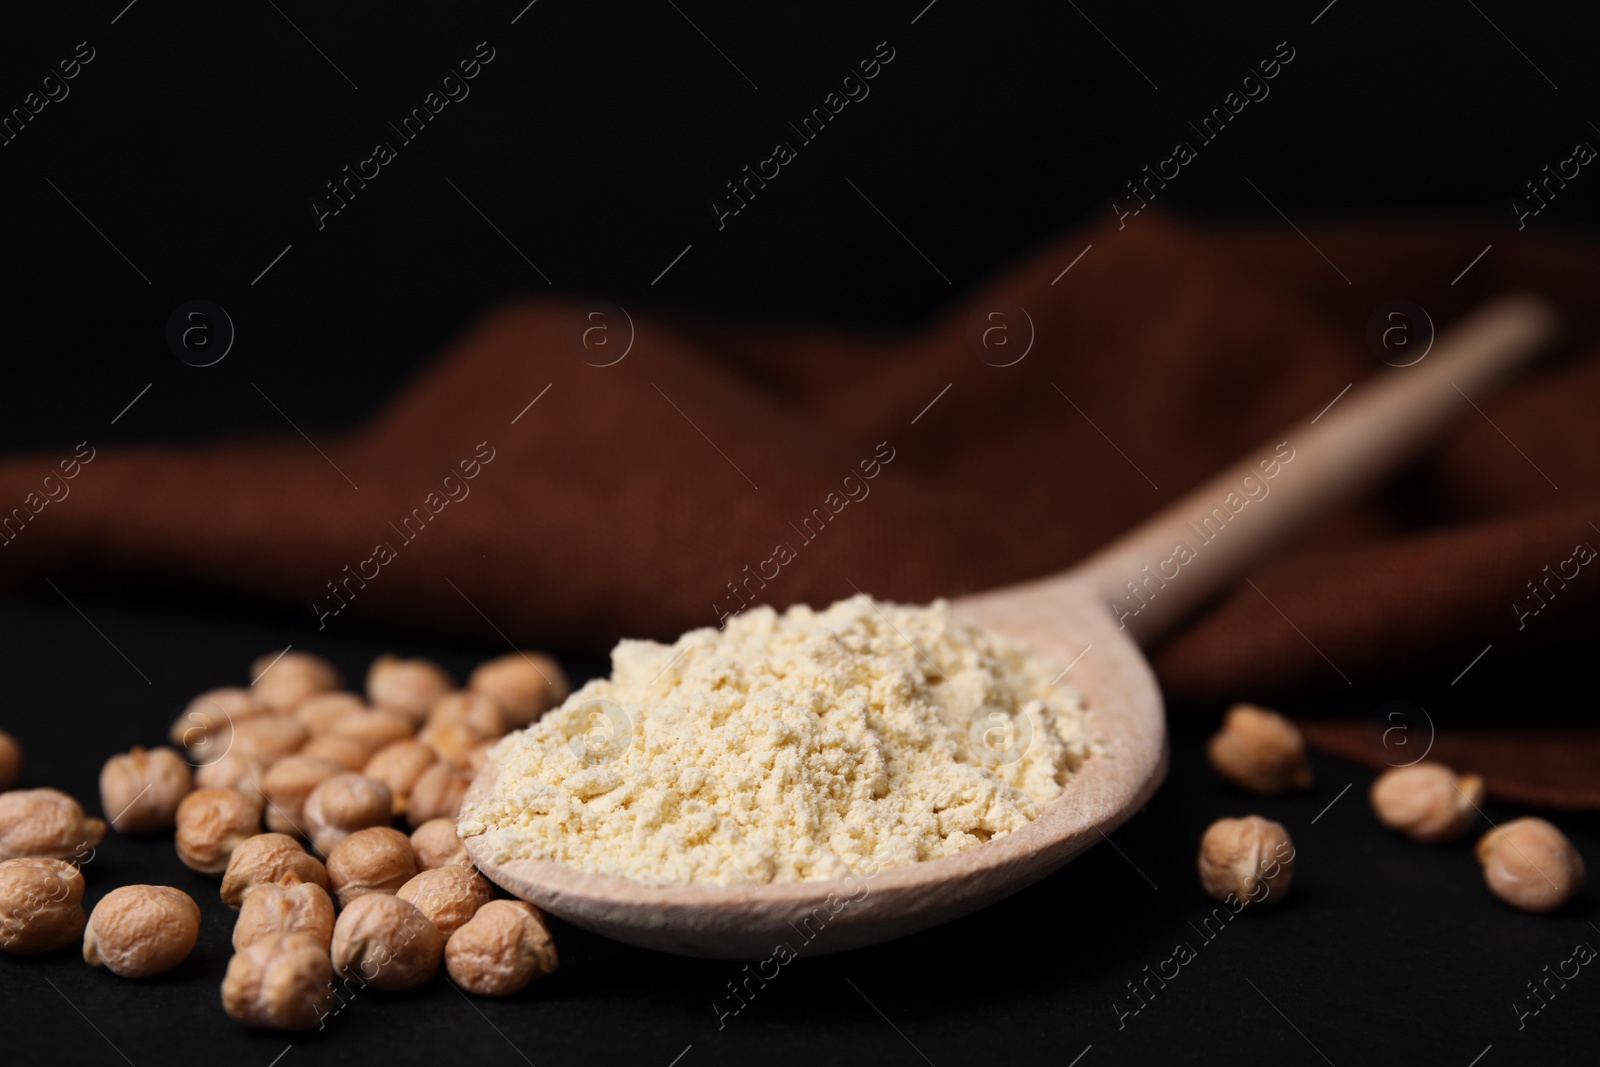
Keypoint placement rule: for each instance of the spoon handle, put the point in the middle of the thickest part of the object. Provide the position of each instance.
(1173, 562)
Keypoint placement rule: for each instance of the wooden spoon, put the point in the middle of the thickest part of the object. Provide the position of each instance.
(1071, 618)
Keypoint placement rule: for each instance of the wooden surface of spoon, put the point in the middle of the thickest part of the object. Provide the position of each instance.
(1092, 618)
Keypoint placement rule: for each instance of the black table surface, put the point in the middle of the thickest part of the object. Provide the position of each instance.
(1382, 952)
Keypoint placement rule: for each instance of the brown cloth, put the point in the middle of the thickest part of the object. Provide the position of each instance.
(646, 497)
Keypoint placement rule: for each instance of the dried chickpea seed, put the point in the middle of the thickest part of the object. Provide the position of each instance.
(41, 905)
(286, 785)
(1250, 860)
(475, 711)
(283, 680)
(347, 752)
(378, 859)
(140, 791)
(1427, 801)
(344, 804)
(319, 712)
(437, 794)
(267, 858)
(453, 742)
(1531, 865)
(140, 930)
(10, 761)
(268, 738)
(284, 907)
(386, 942)
(281, 981)
(409, 686)
(524, 684)
(45, 823)
(238, 773)
(374, 728)
(437, 844)
(448, 896)
(1260, 750)
(501, 949)
(398, 765)
(211, 824)
(206, 724)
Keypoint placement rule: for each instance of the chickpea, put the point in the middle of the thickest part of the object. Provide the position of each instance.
(286, 785)
(140, 791)
(1426, 801)
(140, 930)
(282, 907)
(41, 905)
(1249, 859)
(475, 711)
(267, 858)
(378, 859)
(343, 804)
(437, 794)
(282, 681)
(437, 844)
(10, 761)
(347, 752)
(211, 824)
(453, 741)
(238, 773)
(501, 949)
(386, 942)
(398, 765)
(208, 720)
(448, 896)
(409, 686)
(268, 738)
(1531, 865)
(281, 981)
(1260, 750)
(318, 713)
(45, 823)
(374, 728)
(524, 684)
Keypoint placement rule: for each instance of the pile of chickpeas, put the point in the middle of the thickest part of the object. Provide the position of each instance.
(255, 775)
(1527, 862)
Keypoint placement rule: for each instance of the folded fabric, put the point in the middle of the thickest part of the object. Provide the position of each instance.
(538, 486)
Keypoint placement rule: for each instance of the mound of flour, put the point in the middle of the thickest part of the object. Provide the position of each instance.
(790, 747)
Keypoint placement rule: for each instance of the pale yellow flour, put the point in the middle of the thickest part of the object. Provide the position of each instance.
(789, 747)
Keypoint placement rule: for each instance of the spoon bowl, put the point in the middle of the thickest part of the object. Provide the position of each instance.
(1092, 621)
(750, 921)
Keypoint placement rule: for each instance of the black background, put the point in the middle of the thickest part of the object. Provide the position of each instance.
(592, 143)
